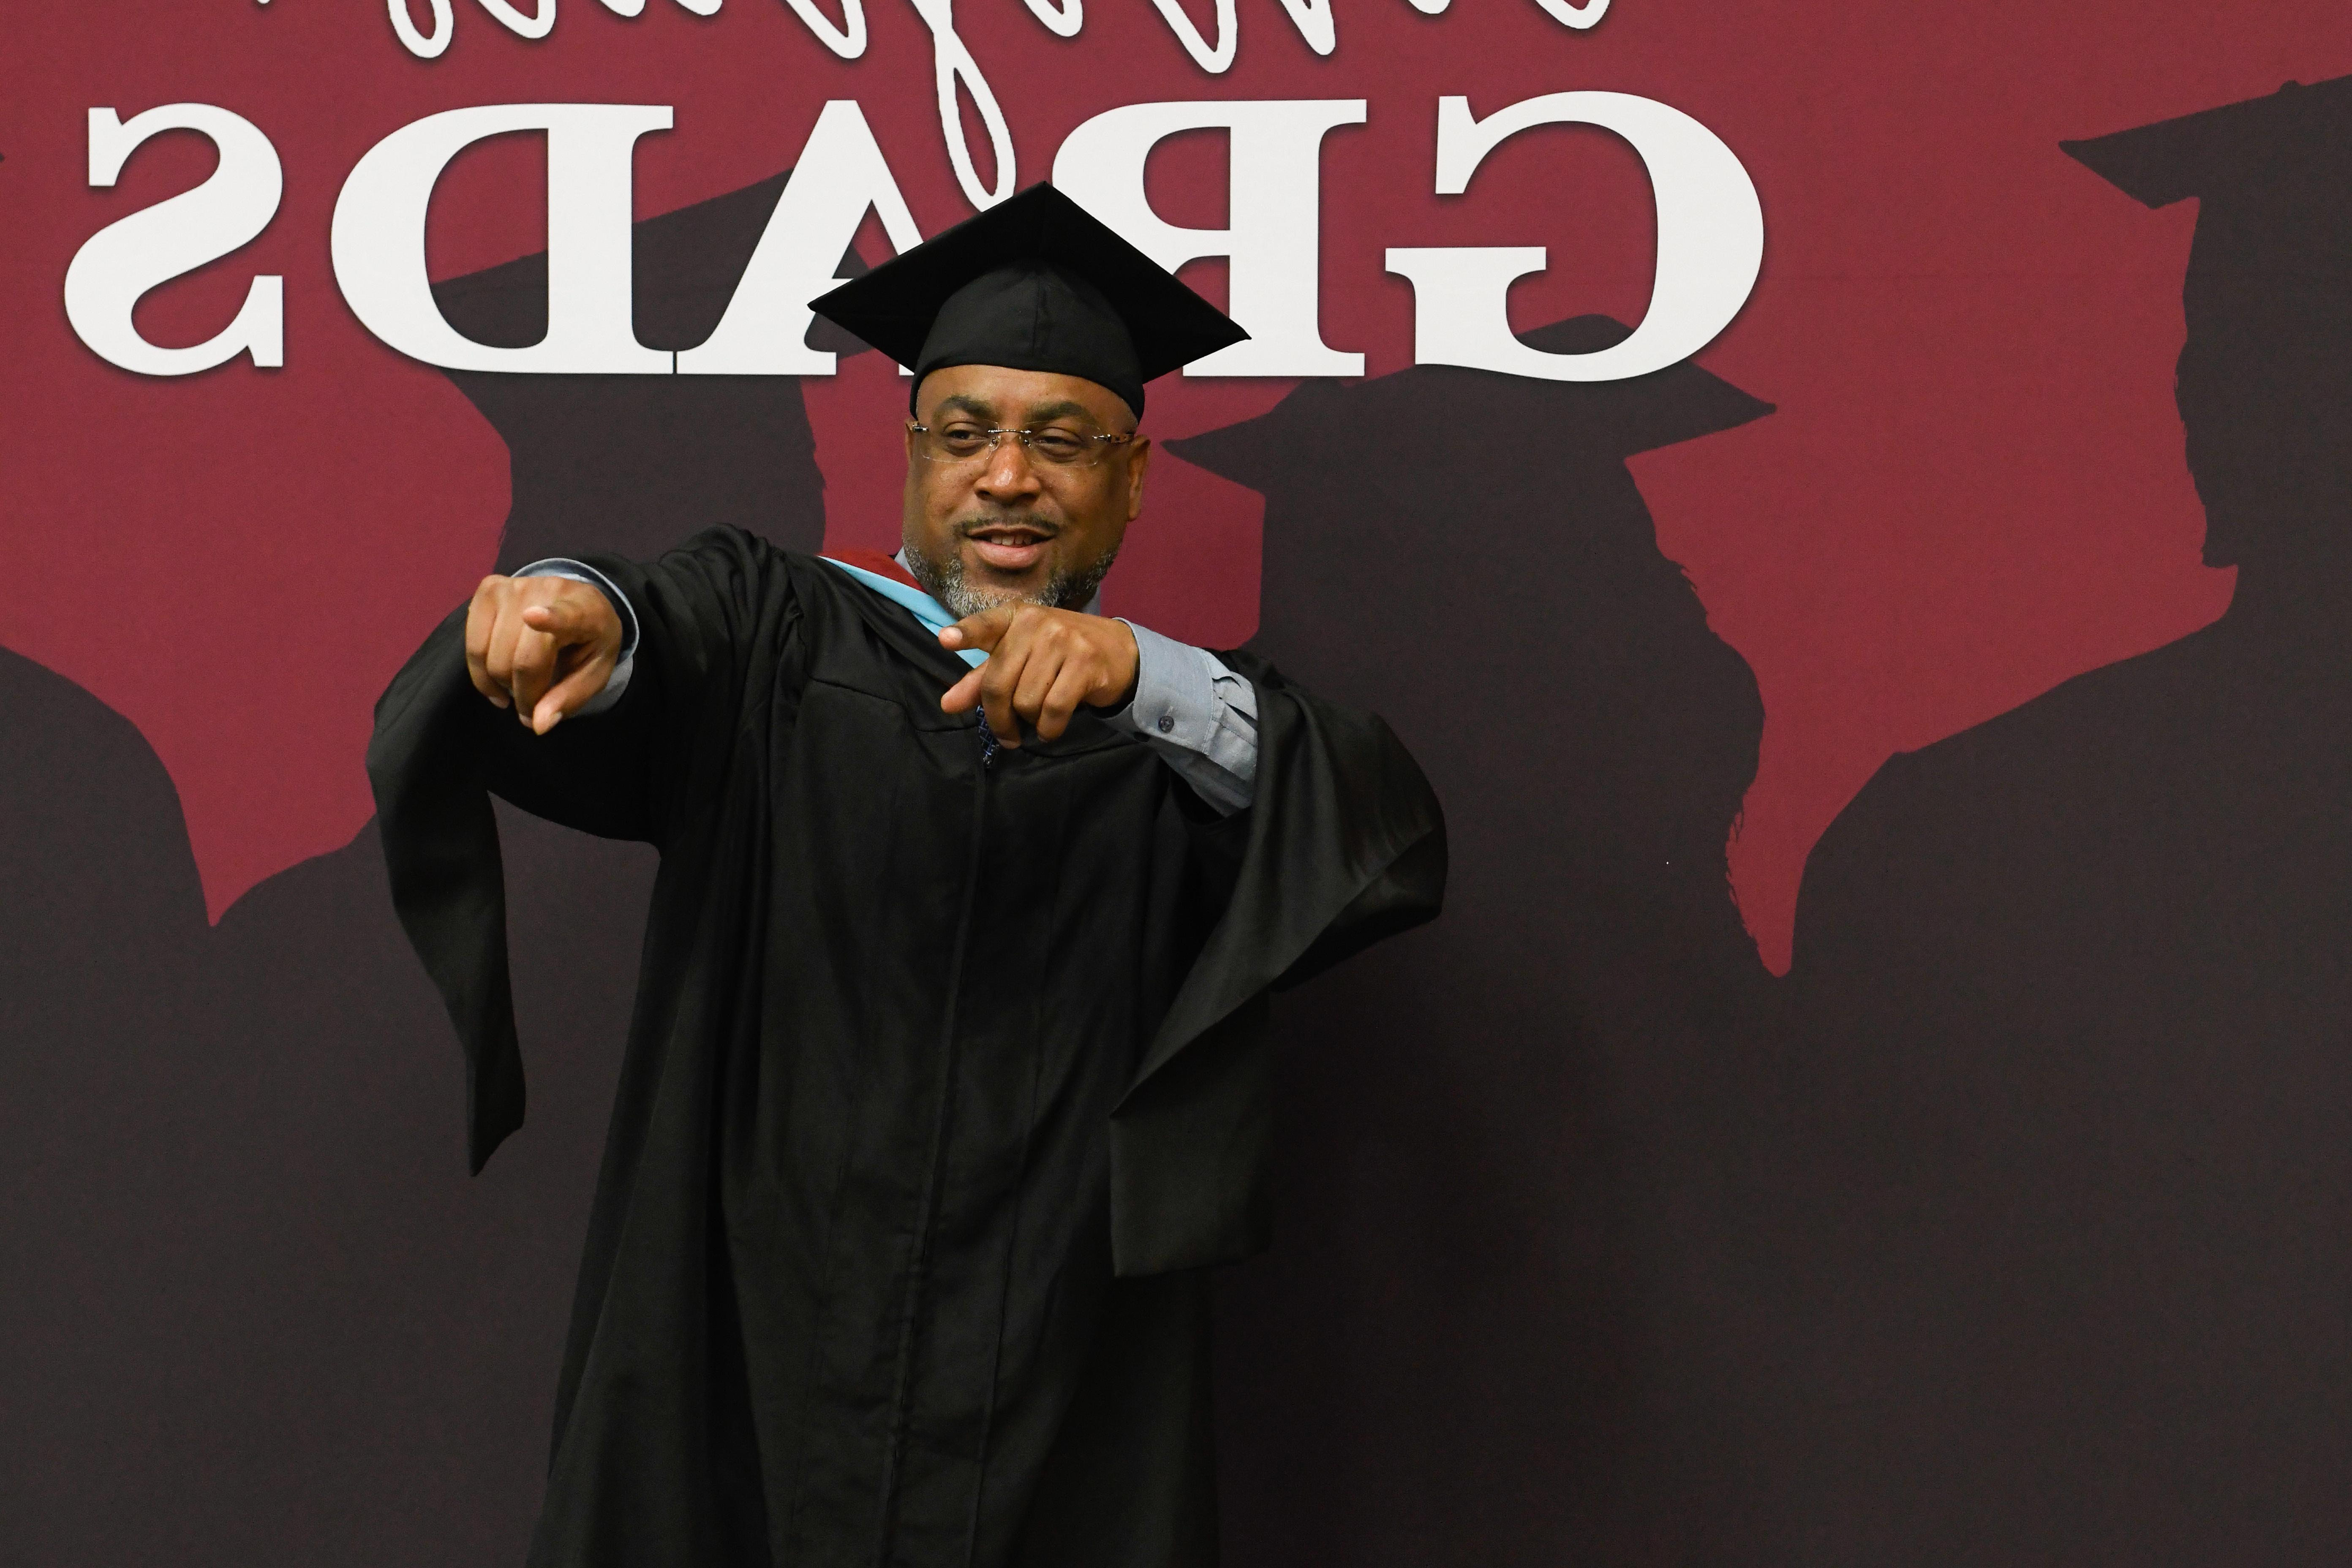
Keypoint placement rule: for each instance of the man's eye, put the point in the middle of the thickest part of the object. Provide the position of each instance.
(965, 437)
(1057, 443)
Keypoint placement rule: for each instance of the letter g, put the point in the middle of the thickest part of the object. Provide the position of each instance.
(1710, 243)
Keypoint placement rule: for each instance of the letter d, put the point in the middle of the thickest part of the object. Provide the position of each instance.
(378, 239)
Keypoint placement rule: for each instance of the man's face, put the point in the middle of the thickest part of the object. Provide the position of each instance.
(1005, 523)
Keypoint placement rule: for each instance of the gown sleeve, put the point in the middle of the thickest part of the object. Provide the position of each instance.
(1346, 845)
(705, 614)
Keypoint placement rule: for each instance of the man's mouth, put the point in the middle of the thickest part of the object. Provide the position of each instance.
(1011, 547)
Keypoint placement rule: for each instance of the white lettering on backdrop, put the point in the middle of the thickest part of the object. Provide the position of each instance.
(378, 239)
(951, 60)
(1273, 238)
(1710, 243)
(840, 174)
(154, 245)
(1710, 238)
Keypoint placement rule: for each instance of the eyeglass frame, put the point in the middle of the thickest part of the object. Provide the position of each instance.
(1095, 444)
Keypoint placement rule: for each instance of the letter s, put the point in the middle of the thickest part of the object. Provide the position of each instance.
(154, 245)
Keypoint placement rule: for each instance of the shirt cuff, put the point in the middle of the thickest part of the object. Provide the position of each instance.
(1197, 714)
(1175, 697)
(617, 682)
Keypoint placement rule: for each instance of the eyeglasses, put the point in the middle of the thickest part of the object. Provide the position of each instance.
(1058, 448)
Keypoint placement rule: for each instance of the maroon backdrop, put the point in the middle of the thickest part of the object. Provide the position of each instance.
(1608, 1238)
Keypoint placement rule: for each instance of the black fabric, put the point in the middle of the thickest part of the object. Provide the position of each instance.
(927, 1056)
(1033, 316)
(1037, 282)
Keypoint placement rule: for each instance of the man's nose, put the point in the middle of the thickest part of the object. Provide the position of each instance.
(1008, 472)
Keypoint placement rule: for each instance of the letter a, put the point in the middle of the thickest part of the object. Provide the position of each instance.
(841, 173)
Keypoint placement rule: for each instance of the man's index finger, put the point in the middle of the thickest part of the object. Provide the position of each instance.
(982, 631)
(557, 616)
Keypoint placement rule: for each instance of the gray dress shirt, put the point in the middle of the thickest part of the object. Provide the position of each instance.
(1198, 715)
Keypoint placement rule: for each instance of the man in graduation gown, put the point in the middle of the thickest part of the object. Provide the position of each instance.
(949, 1065)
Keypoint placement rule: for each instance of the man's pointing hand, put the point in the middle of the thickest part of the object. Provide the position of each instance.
(543, 646)
(1040, 665)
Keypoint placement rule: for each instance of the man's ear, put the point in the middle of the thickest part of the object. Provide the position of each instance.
(1139, 458)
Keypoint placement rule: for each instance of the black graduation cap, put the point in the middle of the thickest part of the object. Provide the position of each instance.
(1436, 415)
(2273, 175)
(1037, 282)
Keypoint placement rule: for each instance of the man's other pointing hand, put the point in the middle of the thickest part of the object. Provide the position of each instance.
(1040, 665)
(541, 646)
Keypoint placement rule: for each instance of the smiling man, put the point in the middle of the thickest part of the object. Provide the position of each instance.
(948, 1077)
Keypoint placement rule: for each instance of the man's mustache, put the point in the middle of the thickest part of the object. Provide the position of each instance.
(965, 528)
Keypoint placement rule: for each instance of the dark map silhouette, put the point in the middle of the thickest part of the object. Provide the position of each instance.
(290, 1170)
(1490, 1331)
(2077, 991)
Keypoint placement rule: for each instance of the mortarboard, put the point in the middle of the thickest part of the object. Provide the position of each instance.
(2272, 176)
(1037, 282)
(1440, 414)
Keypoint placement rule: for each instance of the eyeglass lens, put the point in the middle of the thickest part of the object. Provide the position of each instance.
(961, 443)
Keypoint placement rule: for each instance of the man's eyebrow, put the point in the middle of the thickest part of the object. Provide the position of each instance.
(1061, 410)
(965, 403)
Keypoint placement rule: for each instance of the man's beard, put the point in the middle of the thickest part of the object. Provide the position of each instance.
(944, 581)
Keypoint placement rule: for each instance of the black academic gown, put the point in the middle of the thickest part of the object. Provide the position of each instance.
(946, 1079)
